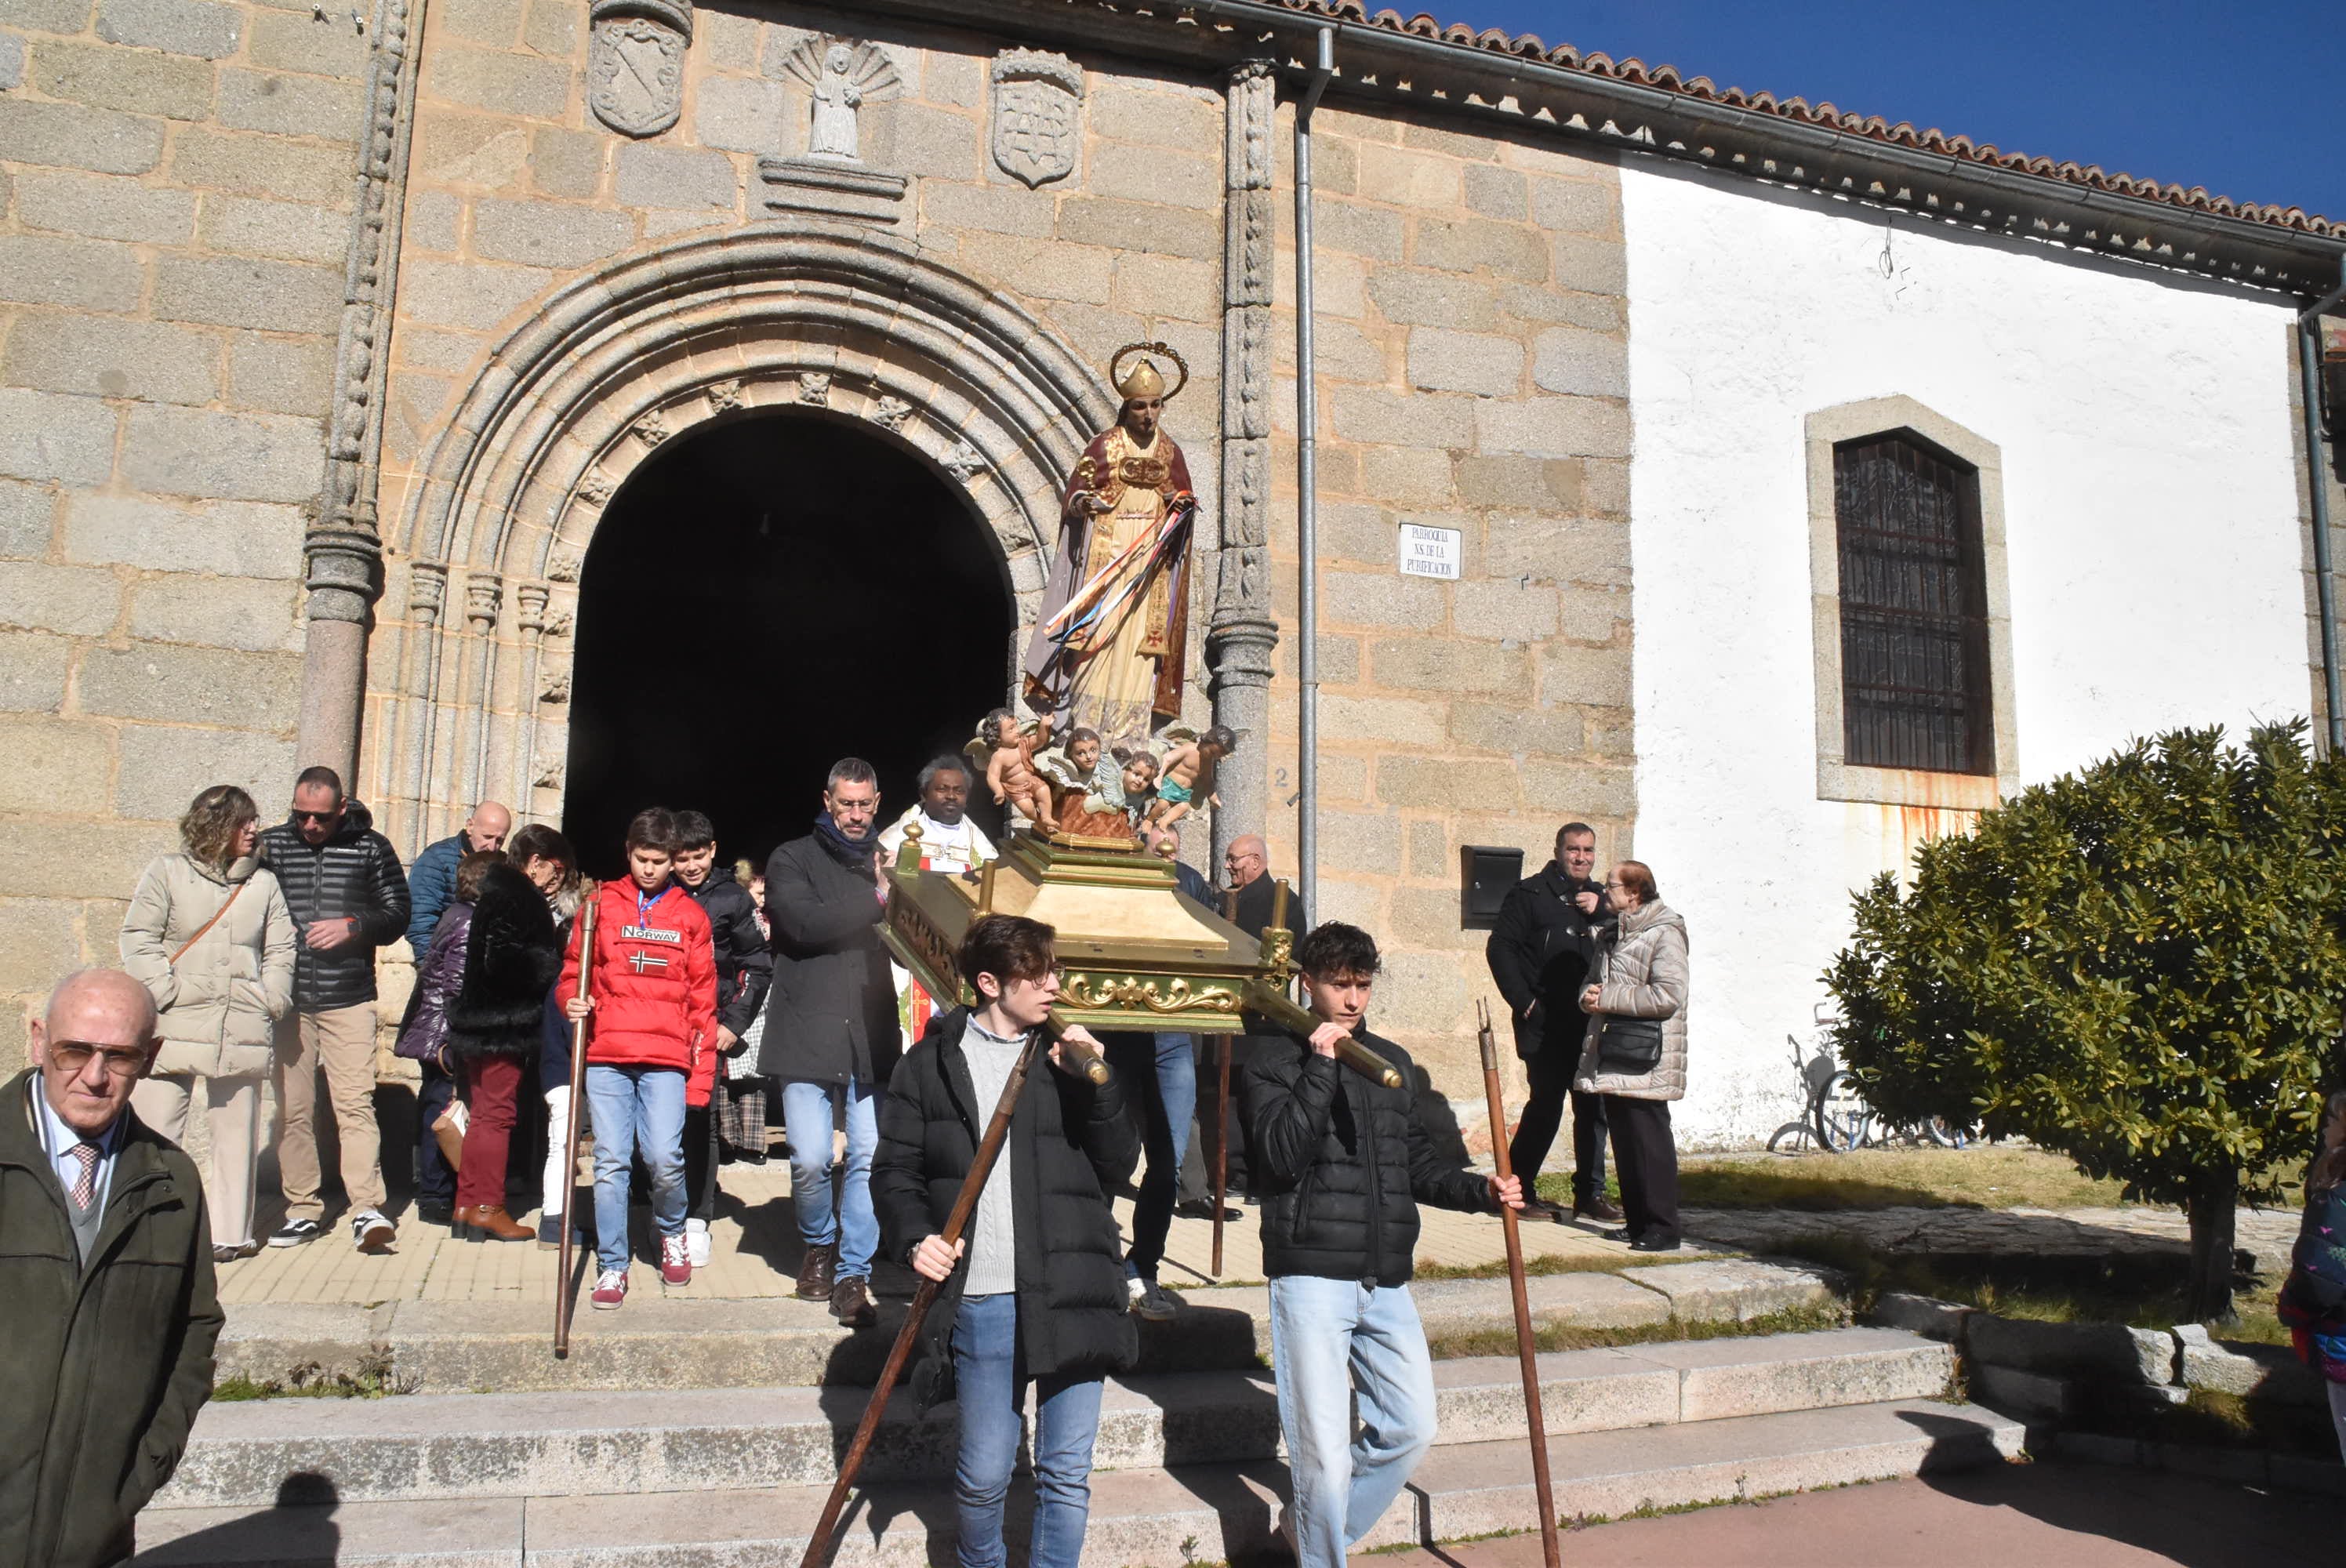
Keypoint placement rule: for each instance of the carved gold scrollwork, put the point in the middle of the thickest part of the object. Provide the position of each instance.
(1152, 994)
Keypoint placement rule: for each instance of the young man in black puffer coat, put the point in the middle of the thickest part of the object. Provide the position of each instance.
(1035, 1289)
(745, 968)
(1342, 1162)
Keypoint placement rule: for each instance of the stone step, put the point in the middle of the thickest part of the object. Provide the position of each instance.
(456, 1446)
(454, 1347)
(1139, 1518)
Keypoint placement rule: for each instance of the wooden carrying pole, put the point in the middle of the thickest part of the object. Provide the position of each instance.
(1226, 1042)
(565, 1292)
(824, 1540)
(1550, 1552)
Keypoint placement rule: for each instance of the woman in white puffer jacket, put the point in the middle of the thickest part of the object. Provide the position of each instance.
(208, 935)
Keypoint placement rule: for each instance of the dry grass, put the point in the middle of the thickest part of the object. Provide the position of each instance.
(1981, 1177)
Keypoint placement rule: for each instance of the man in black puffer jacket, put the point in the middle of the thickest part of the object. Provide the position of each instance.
(347, 896)
(1342, 1162)
(1035, 1287)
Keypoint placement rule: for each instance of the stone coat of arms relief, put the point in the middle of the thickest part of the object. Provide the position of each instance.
(1038, 106)
(635, 64)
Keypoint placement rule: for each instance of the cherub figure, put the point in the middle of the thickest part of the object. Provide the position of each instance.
(1102, 778)
(1137, 779)
(1007, 751)
(1191, 771)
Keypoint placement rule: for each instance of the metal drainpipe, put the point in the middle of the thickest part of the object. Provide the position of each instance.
(2325, 596)
(1307, 510)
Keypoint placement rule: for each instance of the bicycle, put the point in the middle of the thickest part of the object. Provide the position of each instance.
(1834, 1116)
(1837, 1117)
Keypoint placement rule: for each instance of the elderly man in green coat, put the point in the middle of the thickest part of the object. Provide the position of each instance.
(106, 1305)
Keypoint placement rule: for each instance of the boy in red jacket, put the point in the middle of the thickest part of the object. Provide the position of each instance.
(652, 1047)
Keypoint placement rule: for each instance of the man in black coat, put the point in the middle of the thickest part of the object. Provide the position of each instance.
(1542, 951)
(1246, 863)
(1034, 1289)
(745, 970)
(347, 896)
(1343, 1162)
(830, 1028)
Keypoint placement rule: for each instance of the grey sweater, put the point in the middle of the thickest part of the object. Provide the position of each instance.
(993, 1242)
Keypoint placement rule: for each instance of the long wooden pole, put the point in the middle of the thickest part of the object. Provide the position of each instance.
(824, 1540)
(564, 1291)
(1227, 1042)
(1550, 1552)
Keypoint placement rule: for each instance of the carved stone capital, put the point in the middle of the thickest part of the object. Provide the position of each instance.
(427, 589)
(482, 592)
(529, 600)
(342, 569)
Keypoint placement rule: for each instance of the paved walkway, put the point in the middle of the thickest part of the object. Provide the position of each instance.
(755, 1251)
(2144, 1231)
(2045, 1515)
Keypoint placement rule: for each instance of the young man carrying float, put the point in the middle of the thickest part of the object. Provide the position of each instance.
(1343, 1162)
(1041, 1292)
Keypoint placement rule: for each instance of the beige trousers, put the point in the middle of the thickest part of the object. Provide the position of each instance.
(342, 1040)
(233, 1112)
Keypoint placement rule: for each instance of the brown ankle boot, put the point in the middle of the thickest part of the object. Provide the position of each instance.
(814, 1273)
(490, 1222)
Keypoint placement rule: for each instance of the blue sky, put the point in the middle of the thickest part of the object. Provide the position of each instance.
(2247, 97)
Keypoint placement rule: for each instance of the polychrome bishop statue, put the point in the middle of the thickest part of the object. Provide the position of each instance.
(1109, 645)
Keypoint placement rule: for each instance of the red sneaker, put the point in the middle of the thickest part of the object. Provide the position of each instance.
(610, 1289)
(676, 1260)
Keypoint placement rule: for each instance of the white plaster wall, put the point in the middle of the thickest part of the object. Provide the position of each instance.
(2153, 529)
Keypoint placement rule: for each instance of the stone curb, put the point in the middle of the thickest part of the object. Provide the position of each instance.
(2287, 1473)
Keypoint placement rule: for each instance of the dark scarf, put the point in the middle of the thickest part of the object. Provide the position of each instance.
(855, 854)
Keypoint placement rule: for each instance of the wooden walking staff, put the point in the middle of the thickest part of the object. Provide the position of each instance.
(824, 1540)
(1549, 1550)
(565, 1292)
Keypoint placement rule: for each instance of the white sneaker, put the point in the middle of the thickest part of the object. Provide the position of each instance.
(1134, 1288)
(696, 1242)
(370, 1232)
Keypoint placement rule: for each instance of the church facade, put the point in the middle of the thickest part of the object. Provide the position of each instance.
(583, 401)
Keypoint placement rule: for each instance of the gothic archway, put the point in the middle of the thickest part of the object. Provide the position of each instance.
(473, 694)
(768, 593)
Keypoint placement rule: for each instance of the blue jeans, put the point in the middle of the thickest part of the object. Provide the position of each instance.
(992, 1390)
(1165, 1065)
(849, 1225)
(435, 1182)
(635, 1111)
(1329, 1338)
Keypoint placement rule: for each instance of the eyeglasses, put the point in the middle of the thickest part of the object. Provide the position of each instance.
(74, 1057)
(318, 816)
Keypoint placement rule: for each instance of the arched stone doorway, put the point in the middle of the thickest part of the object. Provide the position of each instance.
(471, 669)
(766, 594)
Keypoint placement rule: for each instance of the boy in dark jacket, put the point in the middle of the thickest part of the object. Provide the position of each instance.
(745, 967)
(1343, 1162)
(650, 1051)
(1036, 1288)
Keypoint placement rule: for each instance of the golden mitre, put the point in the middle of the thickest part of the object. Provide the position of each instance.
(1145, 380)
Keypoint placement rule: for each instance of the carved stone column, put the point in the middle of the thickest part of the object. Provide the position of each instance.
(1244, 633)
(343, 549)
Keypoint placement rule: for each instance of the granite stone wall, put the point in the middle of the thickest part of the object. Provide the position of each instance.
(174, 182)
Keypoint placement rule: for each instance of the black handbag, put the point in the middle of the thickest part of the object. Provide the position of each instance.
(1628, 1047)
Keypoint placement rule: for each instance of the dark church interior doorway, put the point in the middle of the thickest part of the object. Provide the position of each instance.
(763, 597)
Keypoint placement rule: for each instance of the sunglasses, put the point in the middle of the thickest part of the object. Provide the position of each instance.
(74, 1057)
(318, 816)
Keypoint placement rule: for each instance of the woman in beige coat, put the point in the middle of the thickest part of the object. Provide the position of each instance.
(1635, 1054)
(208, 934)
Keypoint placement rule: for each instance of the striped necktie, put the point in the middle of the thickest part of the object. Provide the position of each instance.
(85, 1187)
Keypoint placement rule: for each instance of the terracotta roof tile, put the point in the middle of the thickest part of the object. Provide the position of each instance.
(1872, 126)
